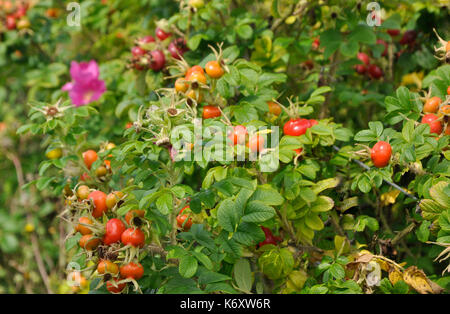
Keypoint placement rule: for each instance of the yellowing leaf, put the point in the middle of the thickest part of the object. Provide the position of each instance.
(438, 194)
(341, 244)
(395, 275)
(348, 203)
(297, 279)
(383, 264)
(417, 279)
(291, 19)
(314, 222)
(413, 78)
(325, 184)
(389, 197)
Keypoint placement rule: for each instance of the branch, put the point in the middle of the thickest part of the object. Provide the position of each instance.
(362, 165)
(34, 242)
(155, 249)
(40, 263)
(403, 233)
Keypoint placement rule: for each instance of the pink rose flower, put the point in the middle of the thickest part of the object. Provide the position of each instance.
(86, 86)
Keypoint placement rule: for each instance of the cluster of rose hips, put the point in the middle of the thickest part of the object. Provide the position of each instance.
(408, 39)
(373, 70)
(112, 242)
(194, 82)
(15, 14)
(295, 126)
(195, 85)
(101, 172)
(148, 53)
(435, 113)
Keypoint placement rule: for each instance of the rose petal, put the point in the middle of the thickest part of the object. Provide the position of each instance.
(67, 87)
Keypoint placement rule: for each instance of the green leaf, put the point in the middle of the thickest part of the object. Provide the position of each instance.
(307, 194)
(164, 203)
(204, 259)
(43, 182)
(330, 39)
(337, 271)
(245, 114)
(400, 287)
(231, 53)
(363, 34)
(229, 245)
(348, 203)
(349, 48)
(444, 221)
(188, 266)
(267, 79)
(194, 41)
(423, 232)
(376, 127)
(220, 287)
(227, 216)
(321, 90)
(243, 275)
(409, 154)
(207, 277)
(322, 204)
(257, 211)
(9, 243)
(268, 195)
(244, 31)
(314, 222)
(392, 22)
(274, 9)
(321, 129)
(148, 199)
(72, 241)
(365, 136)
(408, 131)
(318, 290)
(248, 234)
(364, 184)
(364, 221)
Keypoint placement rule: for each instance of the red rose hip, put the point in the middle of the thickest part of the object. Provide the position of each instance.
(433, 122)
(381, 154)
